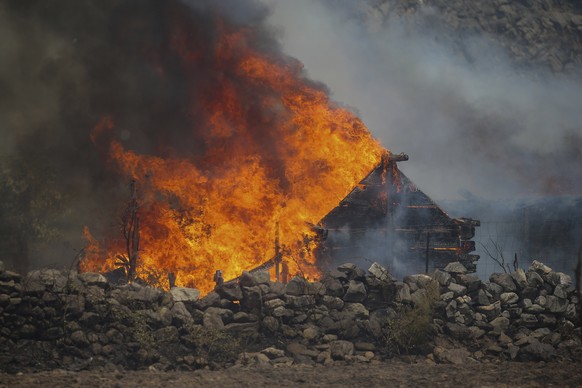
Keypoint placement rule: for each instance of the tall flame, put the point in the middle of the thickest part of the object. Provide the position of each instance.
(272, 155)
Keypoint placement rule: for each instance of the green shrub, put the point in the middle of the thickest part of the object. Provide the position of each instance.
(412, 327)
(213, 345)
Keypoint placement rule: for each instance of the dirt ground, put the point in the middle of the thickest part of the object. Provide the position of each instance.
(381, 374)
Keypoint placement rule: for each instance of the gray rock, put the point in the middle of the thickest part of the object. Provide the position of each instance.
(541, 300)
(539, 268)
(534, 280)
(274, 303)
(352, 271)
(519, 278)
(356, 309)
(494, 289)
(210, 299)
(185, 295)
(315, 288)
(561, 291)
(89, 319)
(241, 317)
(555, 304)
(444, 278)
(341, 349)
(458, 331)
(333, 286)
(332, 302)
(252, 300)
(212, 321)
(509, 298)
(504, 280)
(224, 314)
(93, 279)
(134, 292)
(273, 353)
(296, 286)
(262, 277)
(310, 333)
(295, 348)
(38, 281)
(271, 324)
(472, 282)
(278, 289)
(280, 312)
(457, 289)
(457, 356)
(455, 267)
(558, 278)
(500, 325)
(537, 351)
(529, 293)
(74, 305)
(380, 273)
(301, 301)
(481, 298)
(180, 312)
(528, 320)
(79, 338)
(447, 296)
(356, 292)
(403, 293)
(247, 279)
(571, 311)
(230, 291)
(114, 336)
(27, 331)
(419, 280)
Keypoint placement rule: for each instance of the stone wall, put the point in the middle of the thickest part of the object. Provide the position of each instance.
(61, 319)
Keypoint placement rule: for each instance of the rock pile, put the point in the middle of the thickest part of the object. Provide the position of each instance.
(57, 319)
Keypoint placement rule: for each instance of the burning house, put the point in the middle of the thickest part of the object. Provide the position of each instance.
(387, 218)
(234, 151)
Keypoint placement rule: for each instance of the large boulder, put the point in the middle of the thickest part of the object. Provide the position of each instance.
(230, 291)
(455, 268)
(356, 292)
(297, 286)
(185, 295)
(504, 280)
(380, 273)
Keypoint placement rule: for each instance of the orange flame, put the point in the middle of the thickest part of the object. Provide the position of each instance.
(221, 209)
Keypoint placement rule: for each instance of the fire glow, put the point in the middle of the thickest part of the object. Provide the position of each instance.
(273, 156)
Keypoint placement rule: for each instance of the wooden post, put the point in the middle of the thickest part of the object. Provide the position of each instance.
(427, 250)
(285, 273)
(277, 253)
(172, 279)
(131, 232)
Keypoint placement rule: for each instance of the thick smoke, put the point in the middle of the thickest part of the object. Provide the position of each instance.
(482, 132)
(468, 118)
(68, 64)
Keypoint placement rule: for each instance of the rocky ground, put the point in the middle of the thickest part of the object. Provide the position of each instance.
(402, 373)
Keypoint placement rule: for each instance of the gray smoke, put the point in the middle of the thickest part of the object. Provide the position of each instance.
(468, 118)
(481, 131)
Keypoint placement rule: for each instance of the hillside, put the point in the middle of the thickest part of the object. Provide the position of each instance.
(534, 32)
